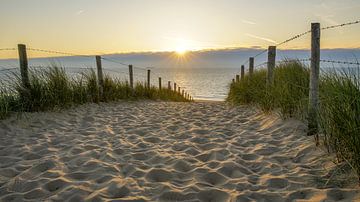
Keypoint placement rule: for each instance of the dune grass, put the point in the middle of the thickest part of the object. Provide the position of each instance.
(52, 88)
(339, 103)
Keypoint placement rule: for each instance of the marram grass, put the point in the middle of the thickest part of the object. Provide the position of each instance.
(339, 113)
(52, 88)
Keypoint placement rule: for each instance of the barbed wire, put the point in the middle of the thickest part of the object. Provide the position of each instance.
(7, 49)
(264, 63)
(341, 25)
(8, 69)
(293, 38)
(114, 61)
(59, 52)
(340, 62)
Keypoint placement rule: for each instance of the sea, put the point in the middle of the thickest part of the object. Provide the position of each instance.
(206, 75)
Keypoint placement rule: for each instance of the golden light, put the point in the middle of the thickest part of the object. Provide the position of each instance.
(181, 50)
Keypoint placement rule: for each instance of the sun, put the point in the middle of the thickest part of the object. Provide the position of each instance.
(181, 50)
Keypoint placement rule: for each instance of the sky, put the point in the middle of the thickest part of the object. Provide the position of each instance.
(117, 26)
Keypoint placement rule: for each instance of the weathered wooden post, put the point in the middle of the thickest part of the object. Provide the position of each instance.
(242, 72)
(251, 66)
(131, 75)
(160, 83)
(314, 82)
(271, 64)
(179, 89)
(100, 77)
(183, 93)
(237, 78)
(174, 87)
(233, 80)
(169, 85)
(148, 78)
(24, 66)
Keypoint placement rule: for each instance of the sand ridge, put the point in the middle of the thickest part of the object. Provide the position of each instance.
(161, 151)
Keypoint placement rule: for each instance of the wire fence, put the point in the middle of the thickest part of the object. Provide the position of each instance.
(138, 77)
(297, 36)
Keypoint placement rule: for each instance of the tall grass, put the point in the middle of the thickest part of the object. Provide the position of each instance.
(340, 116)
(288, 93)
(52, 88)
(339, 103)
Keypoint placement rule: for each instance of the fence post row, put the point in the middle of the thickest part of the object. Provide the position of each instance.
(251, 66)
(131, 76)
(242, 72)
(271, 64)
(100, 76)
(24, 66)
(314, 82)
(148, 78)
(160, 87)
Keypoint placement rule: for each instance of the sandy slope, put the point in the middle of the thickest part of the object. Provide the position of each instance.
(161, 151)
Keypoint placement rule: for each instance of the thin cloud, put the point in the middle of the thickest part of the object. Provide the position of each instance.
(248, 22)
(261, 38)
(327, 18)
(80, 12)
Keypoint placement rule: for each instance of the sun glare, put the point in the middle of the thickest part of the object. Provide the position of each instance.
(181, 50)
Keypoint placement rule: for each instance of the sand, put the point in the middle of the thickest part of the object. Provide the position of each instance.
(162, 151)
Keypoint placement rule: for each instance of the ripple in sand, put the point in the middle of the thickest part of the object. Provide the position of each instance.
(176, 196)
(183, 166)
(159, 175)
(231, 170)
(277, 183)
(213, 195)
(56, 185)
(213, 178)
(116, 190)
(35, 194)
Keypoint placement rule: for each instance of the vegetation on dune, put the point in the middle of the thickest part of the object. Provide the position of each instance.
(52, 88)
(339, 113)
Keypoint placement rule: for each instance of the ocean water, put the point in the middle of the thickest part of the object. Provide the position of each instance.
(205, 75)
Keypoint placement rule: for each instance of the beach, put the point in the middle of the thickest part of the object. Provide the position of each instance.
(163, 151)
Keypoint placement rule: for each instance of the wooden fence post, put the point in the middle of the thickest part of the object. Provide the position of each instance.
(314, 82)
(179, 89)
(251, 66)
(183, 93)
(24, 66)
(233, 80)
(174, 87)
(237, 78)
(100, 76)
(131, 75)
(160, 83)
(271, 64)
(148, 78)
(169, 85)
(242, 72)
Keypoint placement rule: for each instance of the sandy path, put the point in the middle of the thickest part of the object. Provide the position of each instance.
(149, 151)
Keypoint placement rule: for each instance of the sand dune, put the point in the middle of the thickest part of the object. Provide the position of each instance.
(151, 151)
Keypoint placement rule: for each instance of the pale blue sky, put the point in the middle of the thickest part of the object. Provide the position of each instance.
(107, 26)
